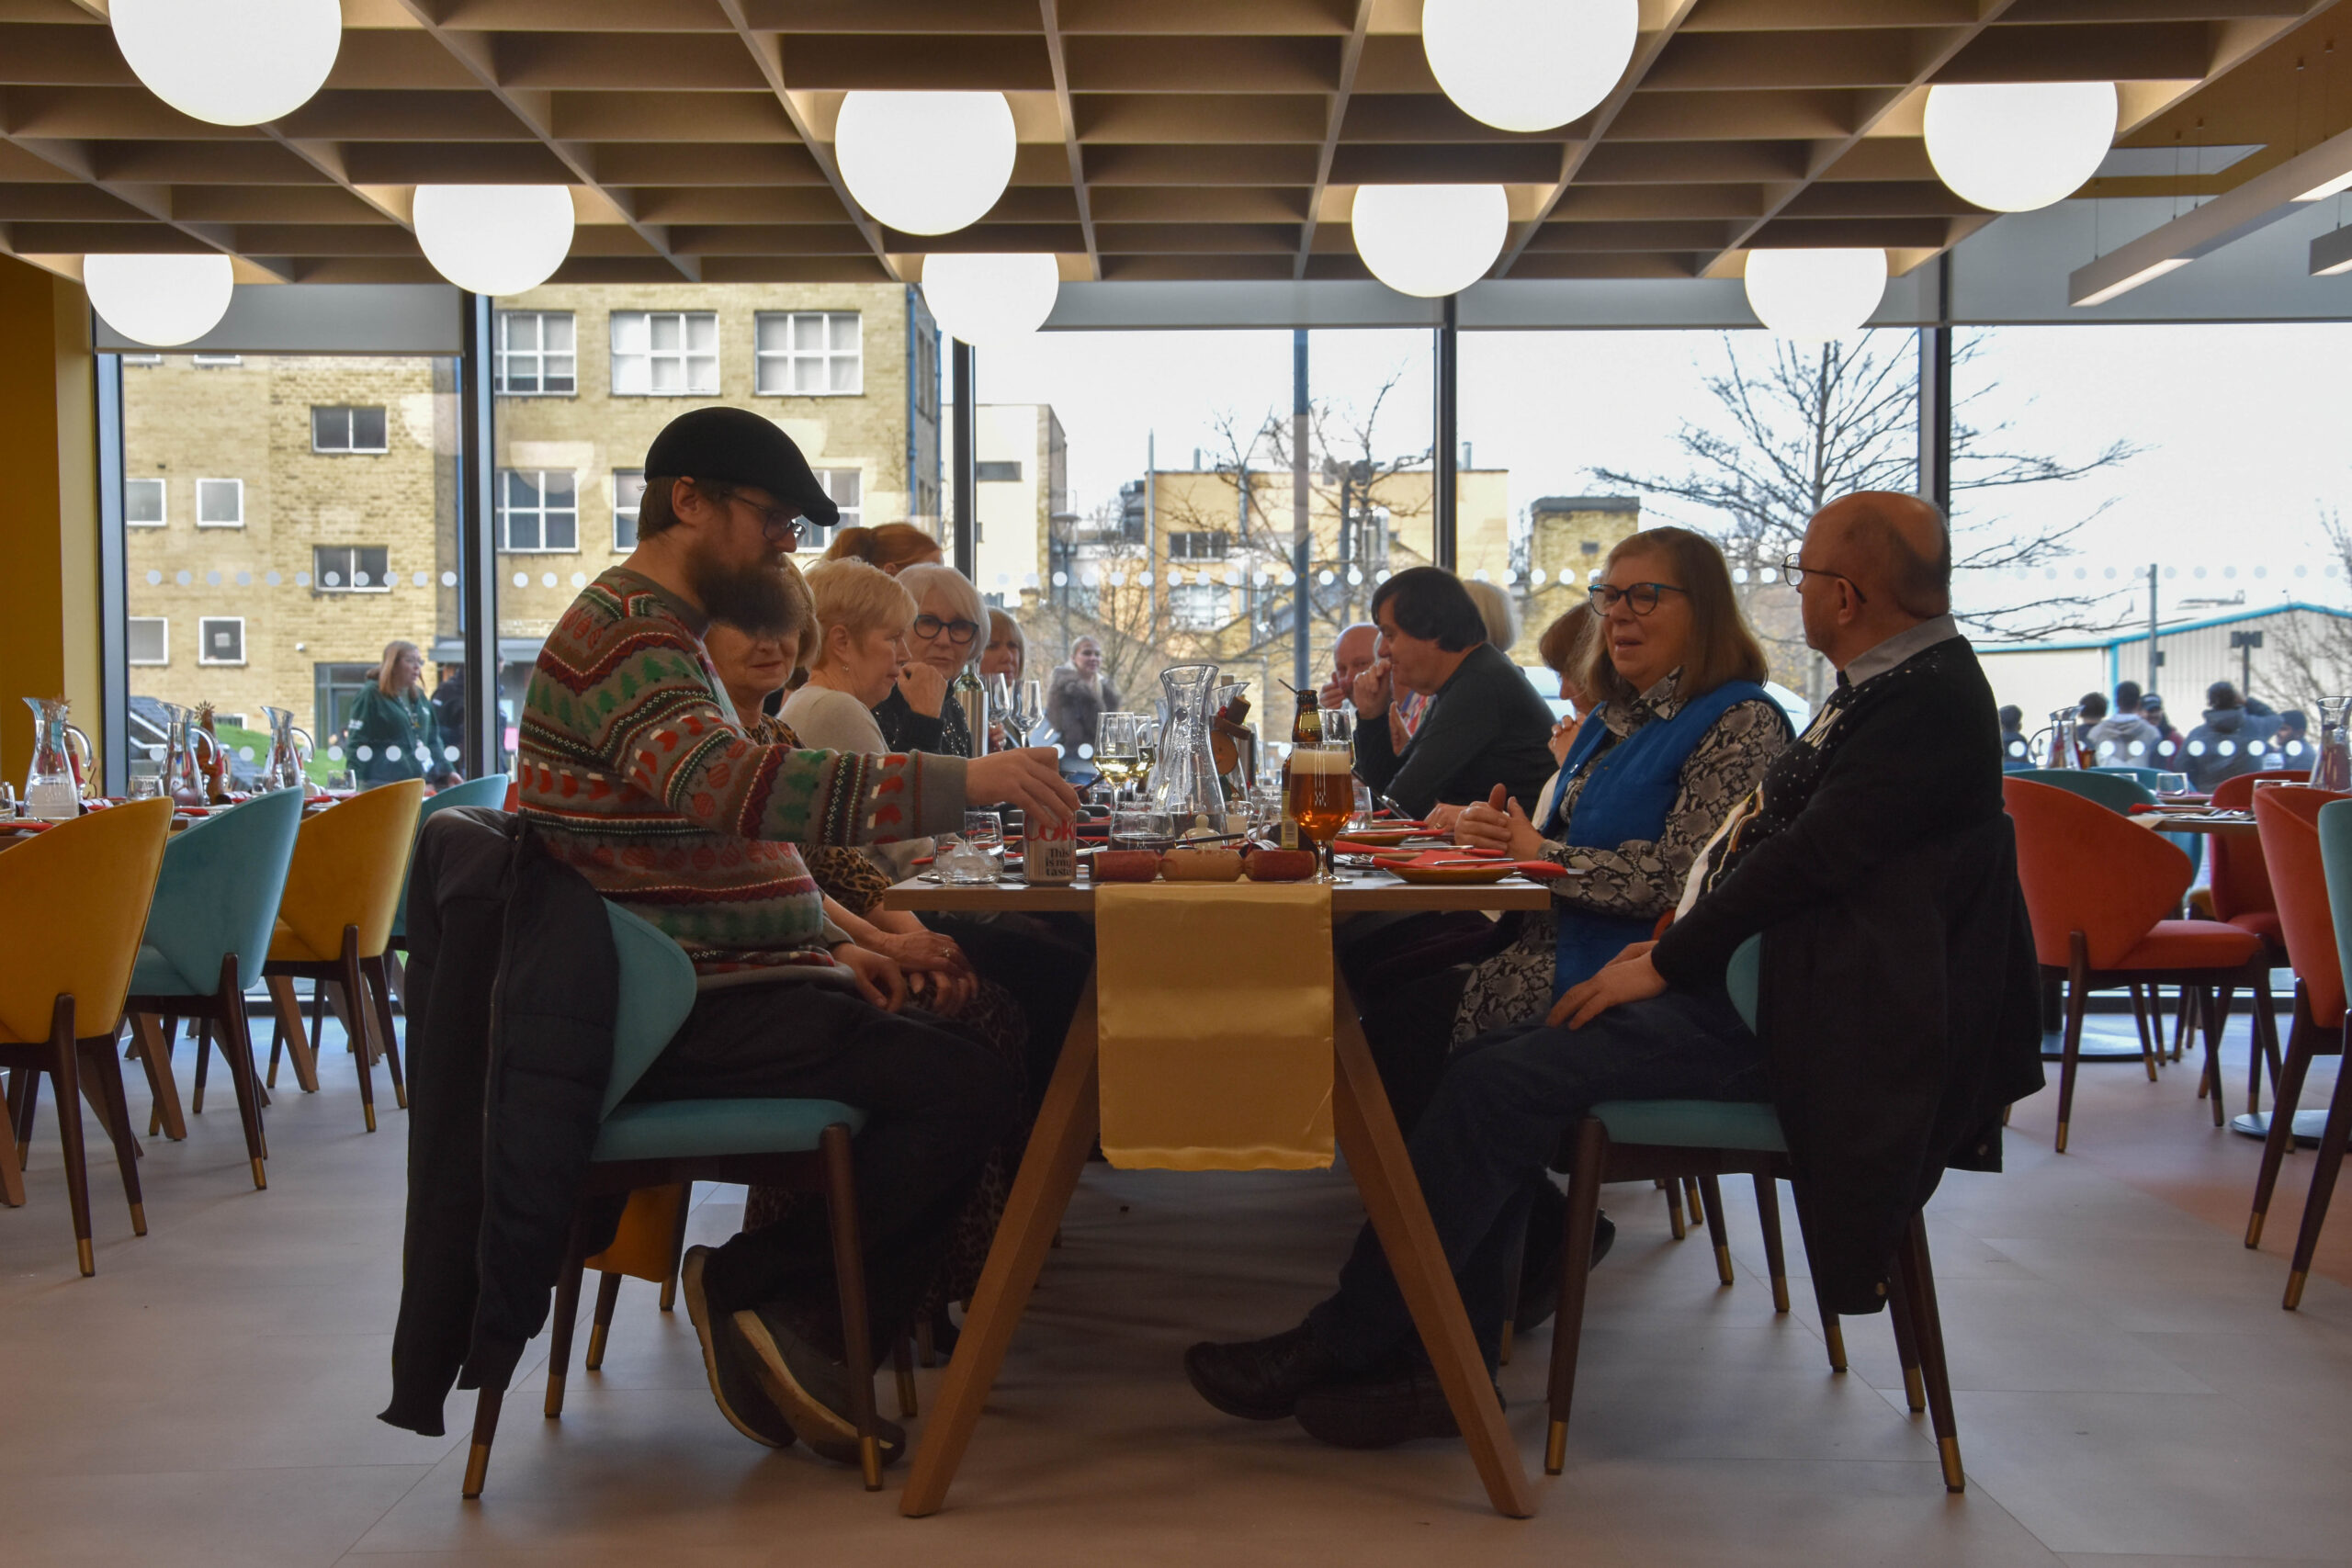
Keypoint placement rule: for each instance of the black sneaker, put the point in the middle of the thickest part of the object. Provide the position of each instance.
(811, 1388)
(1539, 1273)
(1259, 1380)
(1400, 1402)
(729, 1363)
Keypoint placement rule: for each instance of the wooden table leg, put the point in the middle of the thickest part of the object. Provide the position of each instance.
(155, 1056)
(1066, 1124)
(1384, 1174)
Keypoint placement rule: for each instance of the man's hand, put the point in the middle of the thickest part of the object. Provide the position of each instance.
(924, 688)
(1331, 692)
(1027, 778)
(1629, 977)
(1371, 691)
(1498, 823)
(877, 978)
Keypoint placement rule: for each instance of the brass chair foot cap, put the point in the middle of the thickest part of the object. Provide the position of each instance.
(88, 1259)
(2062, 1137)
(2254, 1230)
(138, 1219)
(1723, 1265)
(1836, 1335)
(1556, 1448)
(554, 1406)
(1955, 1479)
(476, 1469)
(1914, 1390)
(595, 1347)
(1503, 1349)
(869, 1459)
(1780, 1294)
(2294, 1284)
(399, 1097)
(261, 1178)
(371, 1118)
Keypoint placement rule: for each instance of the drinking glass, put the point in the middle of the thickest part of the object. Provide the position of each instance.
(1322, 796)
(1135, 829)
(984, 830)
(2172, 784)
(1338, 725)
(1118, 749)
(1363, 817)
(960, 864)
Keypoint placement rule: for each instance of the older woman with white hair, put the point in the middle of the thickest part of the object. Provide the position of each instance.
(950, 630)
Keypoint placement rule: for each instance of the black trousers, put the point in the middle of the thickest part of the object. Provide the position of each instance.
(936, 1102)
(1043, 960)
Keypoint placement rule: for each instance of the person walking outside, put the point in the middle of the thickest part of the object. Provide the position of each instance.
(391, 732)
(2230, 741)
(1077, 697)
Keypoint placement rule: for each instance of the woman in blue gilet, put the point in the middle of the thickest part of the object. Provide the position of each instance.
(1682, 730)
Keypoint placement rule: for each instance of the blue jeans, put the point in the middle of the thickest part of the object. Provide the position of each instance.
(1501, 1111)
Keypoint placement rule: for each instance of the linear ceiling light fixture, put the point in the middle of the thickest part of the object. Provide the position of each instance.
(988, 300)
(2331, 253)
(1528, 64)
(230, 61)
(925, 163)
(494, 239)
(2280, 192)
(1816, 296)
(2013, 147)
(159, 300)
(1429, 241)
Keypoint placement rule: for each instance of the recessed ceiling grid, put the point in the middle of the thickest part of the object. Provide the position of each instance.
(1210, 139)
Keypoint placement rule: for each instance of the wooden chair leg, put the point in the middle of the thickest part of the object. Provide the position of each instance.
(287, 1006)
(237, 1050)
(902, 1359)
(64, 1069)
(2180, 1026)
(677, 1246)
(2265, 1026)
(1906, 1342)
(1918, 1271)
(2324, 1169)
(2281, 1136)
(1674, 1209)
(354, 986)
(926, 1347)
(1715, 1230)
(102, 1065)
(1586, 1168)
(203, 1062)
(379, 984)
(600, 1326)
(24, 1093)
(2147, 1034)
(1832, 1333)
(486, 1405)
(849, 1269)
(163, 1088)
(1690, 1203)
(1767, 1217)
(2077, 998)
(565, 1319)
(12, 1178)
(2217, 1014)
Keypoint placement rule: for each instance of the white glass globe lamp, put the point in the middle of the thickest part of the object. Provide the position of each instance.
(990, 300)
(2012, 147)
(494, 239)
(1528, 64)
(159, 300)
(925, 163)
(1814, 295)
(1429, 241)
(230, 61)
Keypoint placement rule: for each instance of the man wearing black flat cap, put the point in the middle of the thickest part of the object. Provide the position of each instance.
(636, 772)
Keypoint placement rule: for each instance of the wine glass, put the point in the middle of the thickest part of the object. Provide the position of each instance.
(1017, 706)
(1322, 795)
(1118, 749)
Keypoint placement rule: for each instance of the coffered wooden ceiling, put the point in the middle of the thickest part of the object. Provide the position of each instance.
(1161, 139)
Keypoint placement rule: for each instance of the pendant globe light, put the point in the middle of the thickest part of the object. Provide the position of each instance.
(230, 61)
(1528, 64)
(925, 163)
(1429, 241)
(494, 239)
(991, 300)
(159, 300)
(2013, 147)
(1814, 295)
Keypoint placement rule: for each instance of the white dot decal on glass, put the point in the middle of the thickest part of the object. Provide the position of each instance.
(1118, 580)
(448, 580)
(2106, 747)
(1028, 579)
(2139, 748)
(245, 753)
(2171, 572)
(1091, 577)
(185, 578)
(1355, 577)
(1084, 749)
(2017, 748)
(580, 580)
(1535, 578)
(547, 580)
(2197, 748)
(155, 578)
(155, 753)
(366, 753)
(1739, 575)
(449, 753)
(421, 579)
(1175, 577)
(2260, 572)
(2199, 574)
(2227, 749)
(274, 580)
(1383, 575)
(1325, 578)
(1062, 580)
(212, 580)
(335, 753)
(1479, 576)
(522, 580)
(2110, 574)
(302, 579)
(2082, 574)
(333, 580)
(1142, 576)
(244, 579)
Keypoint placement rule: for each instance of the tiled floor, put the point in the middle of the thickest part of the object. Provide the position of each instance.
(2130, 1392)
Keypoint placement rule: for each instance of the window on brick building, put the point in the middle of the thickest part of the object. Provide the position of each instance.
(221, 639)
(220, 503)
(536, 354)
(629, 494)
(1200, 608)
(216, 361)
(809, 354)
(538, 510)
(344, 429)
(142, 503)
(348, 569)
(665, 354)
(1199, 544)
(996, 473)
(143, 359)
(847, 487)
(147, 640)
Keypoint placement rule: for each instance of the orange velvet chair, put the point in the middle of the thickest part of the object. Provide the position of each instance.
(2241, 881)
(2290, 823)
(2098, 888)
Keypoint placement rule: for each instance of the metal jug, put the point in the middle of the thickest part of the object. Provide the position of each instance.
(185, 776)
(61, 762)
(2331, 769)
(2062, 749)
(289, 750)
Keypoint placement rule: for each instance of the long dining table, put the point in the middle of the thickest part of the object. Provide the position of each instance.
(1366, 1133)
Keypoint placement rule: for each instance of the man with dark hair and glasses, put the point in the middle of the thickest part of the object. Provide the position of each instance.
(1898, 998)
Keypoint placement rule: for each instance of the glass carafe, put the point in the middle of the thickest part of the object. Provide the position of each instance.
(1185, 784)
(53, 785)
(184, 772)
(289, 750)
(2333, 767)
(2061, 752)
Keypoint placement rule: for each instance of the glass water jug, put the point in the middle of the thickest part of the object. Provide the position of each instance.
(185, 776)
(61, 758)
(1185, 784)
(289, 750)
(2333, 768)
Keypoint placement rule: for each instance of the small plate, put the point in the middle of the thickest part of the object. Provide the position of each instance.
(1384, 835)
(1457, 876)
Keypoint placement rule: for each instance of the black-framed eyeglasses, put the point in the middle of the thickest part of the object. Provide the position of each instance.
(959, 632)
(780, 523)
(1642, 596)
(1792, 573)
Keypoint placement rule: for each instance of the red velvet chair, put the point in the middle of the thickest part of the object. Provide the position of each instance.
(2098, 887)
(2289, 822)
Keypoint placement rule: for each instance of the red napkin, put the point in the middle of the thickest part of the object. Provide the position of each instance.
(1533, 870)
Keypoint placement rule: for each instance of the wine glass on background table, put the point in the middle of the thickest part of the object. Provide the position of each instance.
(1118, 749)
(1019, 706)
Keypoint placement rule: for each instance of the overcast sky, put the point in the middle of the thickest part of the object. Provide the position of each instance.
(2247, 429)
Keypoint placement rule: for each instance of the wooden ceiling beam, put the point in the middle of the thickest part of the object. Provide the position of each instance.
(1343, 91)
(1057, 56)
(766, 50)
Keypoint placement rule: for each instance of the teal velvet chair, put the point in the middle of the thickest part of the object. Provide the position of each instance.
(2145, 777)
(2108, 786)
(2336, 859)
(1642, 1140)
(488, 790)
(803, 1143)
(207, 934)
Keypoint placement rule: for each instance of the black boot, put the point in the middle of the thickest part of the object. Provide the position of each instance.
(1397, 1402)
(1260, 1380)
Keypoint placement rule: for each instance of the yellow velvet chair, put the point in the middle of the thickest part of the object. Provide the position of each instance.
(73, 903)
(335, 922)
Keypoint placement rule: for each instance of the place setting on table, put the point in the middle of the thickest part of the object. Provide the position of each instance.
(1216, 1030)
